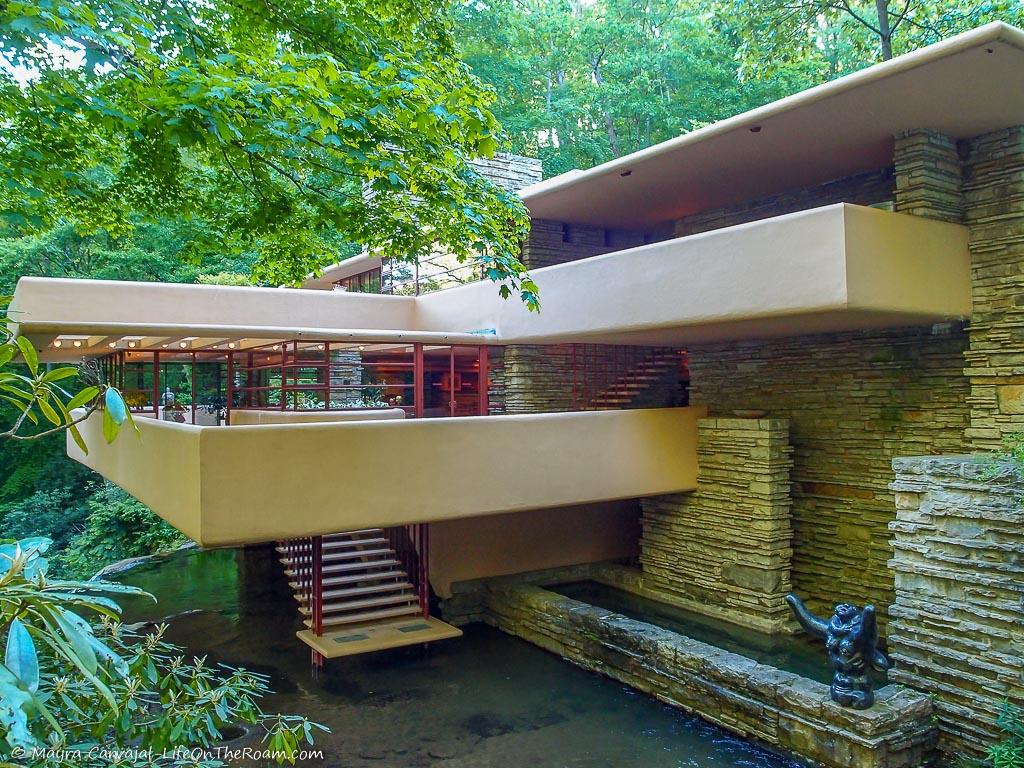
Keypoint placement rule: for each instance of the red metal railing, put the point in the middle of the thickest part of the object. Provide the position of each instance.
(600, 370)
(306, 557)
(411, 544)
(598, 367)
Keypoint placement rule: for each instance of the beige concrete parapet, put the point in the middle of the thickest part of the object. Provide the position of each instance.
(247, 484)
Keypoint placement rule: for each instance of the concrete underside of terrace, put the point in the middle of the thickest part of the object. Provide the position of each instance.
(250, 484)
(840, 267)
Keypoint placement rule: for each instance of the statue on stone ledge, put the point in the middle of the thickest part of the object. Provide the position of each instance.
(851, 639)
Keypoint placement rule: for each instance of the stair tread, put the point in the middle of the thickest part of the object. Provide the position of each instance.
(356, 578)
(372, 602)
(333, 545)
(329, 594)
(332, 557)
(333, 621)
(344, 567)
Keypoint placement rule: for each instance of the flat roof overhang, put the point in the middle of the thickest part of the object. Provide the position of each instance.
(963, 87)
(840, 267)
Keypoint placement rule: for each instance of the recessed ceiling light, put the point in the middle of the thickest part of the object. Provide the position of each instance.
(112, 344)
(57, 342)
(231, 345)
(78, 342)
(182, 344)
(133, 344)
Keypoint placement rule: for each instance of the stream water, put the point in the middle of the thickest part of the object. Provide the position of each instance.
(480, 701)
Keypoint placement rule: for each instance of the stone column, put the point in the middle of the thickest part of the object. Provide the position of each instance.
(725, 549)
(994, 194)
(928, 176)
(956, 629)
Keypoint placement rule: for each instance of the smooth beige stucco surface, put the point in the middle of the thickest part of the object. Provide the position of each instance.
(839, 267)
(498, 545)
(160, 466)
(246, 484)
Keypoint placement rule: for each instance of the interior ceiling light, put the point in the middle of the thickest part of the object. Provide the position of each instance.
(231, 345)
(78, 342)
(57, 342)
(182, 344)
(133, 344)
(112, 344)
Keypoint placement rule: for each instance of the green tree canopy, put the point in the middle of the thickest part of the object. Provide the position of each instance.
(579, 83)
(835, 37)
(278, 125)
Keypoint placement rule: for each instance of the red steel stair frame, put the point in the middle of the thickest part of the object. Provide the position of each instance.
(609, 378)
(355, 577)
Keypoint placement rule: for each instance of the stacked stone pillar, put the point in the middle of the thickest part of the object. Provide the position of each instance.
(957, 626)
(928, 176)
(994, 196)
(724, 550)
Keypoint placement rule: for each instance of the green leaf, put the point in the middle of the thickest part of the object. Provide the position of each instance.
(29, 353)
(83, 397)
(110, 427)
(77, 632)
(21, 656)
(58, 374)
(77, 437)
(47, 409)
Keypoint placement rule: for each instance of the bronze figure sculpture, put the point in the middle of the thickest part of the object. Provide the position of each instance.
(851, 640)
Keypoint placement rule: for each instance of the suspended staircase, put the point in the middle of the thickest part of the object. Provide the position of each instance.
(362, 591)
(621, 381)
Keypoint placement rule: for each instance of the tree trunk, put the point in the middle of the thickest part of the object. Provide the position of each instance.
(609, 124)
(884, 32)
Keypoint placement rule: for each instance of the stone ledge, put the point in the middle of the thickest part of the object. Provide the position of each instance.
(756, 701)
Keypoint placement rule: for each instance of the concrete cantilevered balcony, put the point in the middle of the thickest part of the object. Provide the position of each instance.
(247, 484)
(841, 267)
(837, 268)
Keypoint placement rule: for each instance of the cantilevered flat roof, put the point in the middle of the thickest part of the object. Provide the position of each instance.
(968, 85)
(840, 267)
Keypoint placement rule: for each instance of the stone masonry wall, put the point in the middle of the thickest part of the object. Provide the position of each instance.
(538, 378)
(994, 199)
(346, 370)
(854, 401)
(553, 242)
(508, 171)
(725, 549)
(928, 176)
(872, 188)
(957, 629)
